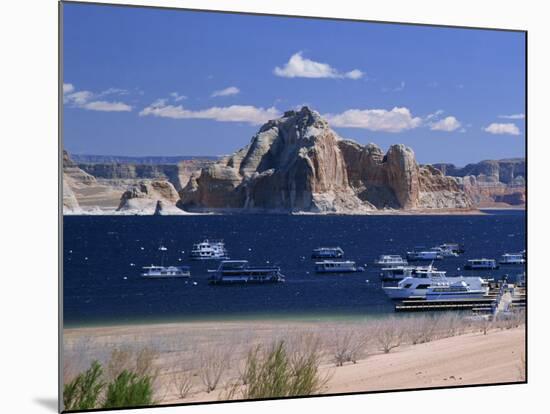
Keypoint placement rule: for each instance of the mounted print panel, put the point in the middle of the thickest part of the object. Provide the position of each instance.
(260, 206)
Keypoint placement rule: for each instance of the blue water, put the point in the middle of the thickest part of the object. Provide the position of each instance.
(101, 286)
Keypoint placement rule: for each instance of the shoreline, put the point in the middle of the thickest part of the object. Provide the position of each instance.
(461, 358)
(424, 212)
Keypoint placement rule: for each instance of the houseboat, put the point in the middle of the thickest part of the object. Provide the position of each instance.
(209, 250)
(396, 273)
(458, 290)
(512, 259)
(161, 272)
(327, 253)
(232, 272)
(421, 254)
(481, 264)
(390, 260)
(334, 266)
(417, 285)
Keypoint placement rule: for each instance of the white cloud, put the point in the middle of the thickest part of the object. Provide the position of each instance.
(513, 116)
(177, 97)
(449, 123)
(67, 88)
(232, 90)
(89, 100)
(79, 98)
(508, 128)
(300, 67)
(234, 113)
(435, 114)
(395, 120)
(113, 91)
(354, 74)
(107, 106)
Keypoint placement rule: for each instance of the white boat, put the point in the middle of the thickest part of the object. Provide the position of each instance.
(390, 260)
(396, 273)
(209, 250)
(231, 272)
(416, 286)
(160, 272)
(445, 251)
(454, 247)
(458, 290)
(512, 259)
(336, 266)
(418, 255)
(163, 272)
(327, 253)
(481, 264)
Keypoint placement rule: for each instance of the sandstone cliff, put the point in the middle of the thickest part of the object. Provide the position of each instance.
(121, 187)
(297, 163)
(491, 183)
(150, 197)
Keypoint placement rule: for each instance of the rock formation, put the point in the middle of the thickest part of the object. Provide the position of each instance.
(298, 164)
(151, 197)
(70, 203)
(491, 183)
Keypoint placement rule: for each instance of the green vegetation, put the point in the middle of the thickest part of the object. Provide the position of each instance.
(129, 390)
(280, 373)
(83, 392)
(119, 386)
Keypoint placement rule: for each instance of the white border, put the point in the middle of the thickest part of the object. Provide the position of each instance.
(28, 170)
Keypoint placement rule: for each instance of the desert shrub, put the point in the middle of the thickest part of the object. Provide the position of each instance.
(145, 359)
(389, 334)
(214, 362)
(277, 373)
(486, 324)
(83, 392)
(420, 329)
(348, 346)
(183, 383)
(129, 390)
(121, 360)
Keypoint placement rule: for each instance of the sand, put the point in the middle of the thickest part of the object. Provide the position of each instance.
(471, 358)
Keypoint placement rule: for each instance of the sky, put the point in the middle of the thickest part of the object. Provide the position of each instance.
(142, 81)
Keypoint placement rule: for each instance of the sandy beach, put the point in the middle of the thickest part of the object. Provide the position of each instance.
(460, 359)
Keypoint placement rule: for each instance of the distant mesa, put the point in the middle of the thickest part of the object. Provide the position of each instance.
(297, 163)
(294, 164)
(491, 183)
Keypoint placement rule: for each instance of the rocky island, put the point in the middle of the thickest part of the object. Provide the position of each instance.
(294, 164)
(298, 164)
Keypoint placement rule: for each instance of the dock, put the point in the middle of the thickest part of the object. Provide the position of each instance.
(502, 297)
(423, 305)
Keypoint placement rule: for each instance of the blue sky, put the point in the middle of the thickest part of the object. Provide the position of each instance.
(164, 82)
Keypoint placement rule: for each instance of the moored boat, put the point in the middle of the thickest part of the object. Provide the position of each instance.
(209, 250)
(512, 259)
(337, 266)
(327, 253)
(417, 285)
(162, 272)
(453, 247)
(481, 264)
(396, 273)
(458, 290)
(422, 254)
(231, 272)
(390, 260)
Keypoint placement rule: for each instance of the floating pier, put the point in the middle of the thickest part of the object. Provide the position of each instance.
(423, 305)
(492, 303)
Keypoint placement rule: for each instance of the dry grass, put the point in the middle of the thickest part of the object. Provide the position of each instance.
(389, 334)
